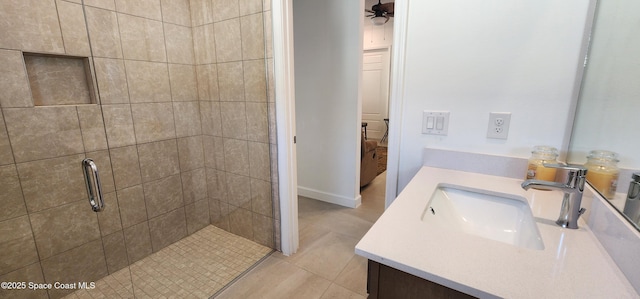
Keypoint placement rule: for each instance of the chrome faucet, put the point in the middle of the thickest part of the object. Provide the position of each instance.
(572, 188)
(632, 205)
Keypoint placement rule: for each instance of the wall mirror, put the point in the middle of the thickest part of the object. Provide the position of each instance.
(609, 102)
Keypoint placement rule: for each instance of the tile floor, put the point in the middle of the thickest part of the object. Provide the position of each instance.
(194, 267)
(325, 265)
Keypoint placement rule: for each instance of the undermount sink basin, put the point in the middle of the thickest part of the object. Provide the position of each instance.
(492, 215)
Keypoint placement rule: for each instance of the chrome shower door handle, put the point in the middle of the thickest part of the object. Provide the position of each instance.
(94, 188)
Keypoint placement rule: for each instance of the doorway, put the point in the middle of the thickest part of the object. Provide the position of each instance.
(375, 92)
(284, 71)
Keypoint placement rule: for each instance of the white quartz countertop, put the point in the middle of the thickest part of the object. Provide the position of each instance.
(572, 264)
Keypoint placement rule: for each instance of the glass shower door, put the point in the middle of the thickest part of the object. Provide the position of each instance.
(53, 241)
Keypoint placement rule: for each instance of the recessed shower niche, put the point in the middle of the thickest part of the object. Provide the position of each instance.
(59, 80)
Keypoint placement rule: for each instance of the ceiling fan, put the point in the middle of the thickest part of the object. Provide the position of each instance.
(380, 13)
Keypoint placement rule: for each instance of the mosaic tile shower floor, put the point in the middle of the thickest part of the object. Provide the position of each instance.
(195, 267)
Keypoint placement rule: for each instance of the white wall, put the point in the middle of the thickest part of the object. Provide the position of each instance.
(328, 63)
(610, 98)
(474, 57)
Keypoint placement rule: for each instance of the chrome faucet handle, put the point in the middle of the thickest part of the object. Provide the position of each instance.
(577, 170)
(576, 174)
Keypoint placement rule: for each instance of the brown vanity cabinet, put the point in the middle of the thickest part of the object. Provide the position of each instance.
(385, 282)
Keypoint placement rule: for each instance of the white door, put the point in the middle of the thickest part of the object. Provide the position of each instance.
(375, 91)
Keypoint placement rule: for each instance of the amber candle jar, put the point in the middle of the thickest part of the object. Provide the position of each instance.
(603, 172)
(540, 155)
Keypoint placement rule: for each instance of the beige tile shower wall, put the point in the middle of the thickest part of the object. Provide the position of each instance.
(185, 140)
(231, 67)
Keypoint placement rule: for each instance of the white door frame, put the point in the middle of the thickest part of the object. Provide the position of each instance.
(282, 14)
(396, 97)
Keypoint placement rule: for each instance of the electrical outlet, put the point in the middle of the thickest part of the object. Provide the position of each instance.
(499, 125)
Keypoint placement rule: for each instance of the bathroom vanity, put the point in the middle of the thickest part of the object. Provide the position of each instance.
(508, 245)
(387, 282)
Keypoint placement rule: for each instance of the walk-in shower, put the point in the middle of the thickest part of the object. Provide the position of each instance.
(135, 146)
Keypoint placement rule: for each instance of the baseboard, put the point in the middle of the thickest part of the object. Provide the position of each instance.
(330, 197)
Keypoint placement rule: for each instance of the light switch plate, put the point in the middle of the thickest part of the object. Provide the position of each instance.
(435, 122)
